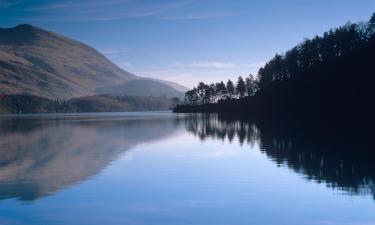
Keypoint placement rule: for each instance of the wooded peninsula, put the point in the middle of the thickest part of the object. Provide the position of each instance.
(328, 76)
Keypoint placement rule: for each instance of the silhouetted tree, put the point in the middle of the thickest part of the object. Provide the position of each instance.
(202, 92)
(231, 90)
(175, 101)
(213, 93)
(191, 97)
(241, 87)
(250, 85)
(370, 29)
(220, 90)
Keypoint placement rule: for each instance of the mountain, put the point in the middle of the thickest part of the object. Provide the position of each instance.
(176, 86)
(25, 104)
(137, 88)
(38, 62)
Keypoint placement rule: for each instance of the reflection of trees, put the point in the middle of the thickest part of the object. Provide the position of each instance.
(40, 156)
(209, 125)
(342, 160)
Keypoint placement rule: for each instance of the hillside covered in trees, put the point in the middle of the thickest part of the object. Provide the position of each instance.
(328, 76)
(17, 104)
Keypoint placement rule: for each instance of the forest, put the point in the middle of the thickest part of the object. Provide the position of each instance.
(328, 76)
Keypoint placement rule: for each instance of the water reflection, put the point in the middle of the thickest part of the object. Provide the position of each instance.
(38, 156)
(209, 125)
(341, 158)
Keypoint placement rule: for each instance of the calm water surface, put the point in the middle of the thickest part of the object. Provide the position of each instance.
(160, 168)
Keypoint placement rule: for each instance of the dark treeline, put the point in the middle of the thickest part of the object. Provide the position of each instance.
(328, 75)
(342, 159)
(213, 93)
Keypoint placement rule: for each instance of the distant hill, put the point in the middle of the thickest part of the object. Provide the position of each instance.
(38, 62)
(109, 103)
(17, 104)
(141, 87)
(176, 86)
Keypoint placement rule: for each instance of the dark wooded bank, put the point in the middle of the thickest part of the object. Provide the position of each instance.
(328, 77)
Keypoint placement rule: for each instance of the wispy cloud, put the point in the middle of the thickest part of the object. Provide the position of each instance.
(217, 65)
(74, 5)
(255, 64)
(185, 78)
(188, 78)
(96, 10)
(8, 3)
(99, 10)
(189, 74)
(199, 16)
(206, 65)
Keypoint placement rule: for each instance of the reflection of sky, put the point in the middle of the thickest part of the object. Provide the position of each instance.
(39, 156)
(182, 180)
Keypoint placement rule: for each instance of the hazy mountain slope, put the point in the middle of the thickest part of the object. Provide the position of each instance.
(176, 86)
(141, 87)
(108, 103)
(16, 104)
(38, 62)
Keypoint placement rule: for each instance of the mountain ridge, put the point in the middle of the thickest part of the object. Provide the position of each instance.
(42, 63)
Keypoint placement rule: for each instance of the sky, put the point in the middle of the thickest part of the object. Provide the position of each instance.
(187, 41)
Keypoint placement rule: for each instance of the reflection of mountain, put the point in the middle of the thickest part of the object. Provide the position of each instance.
(39, 156)
(342, 160)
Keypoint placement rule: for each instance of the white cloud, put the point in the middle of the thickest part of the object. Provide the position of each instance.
(187, 78)
(190, 74)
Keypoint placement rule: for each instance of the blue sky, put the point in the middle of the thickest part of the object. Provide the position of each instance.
(187, 40)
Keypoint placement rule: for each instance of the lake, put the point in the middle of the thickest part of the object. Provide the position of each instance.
(163, 168)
